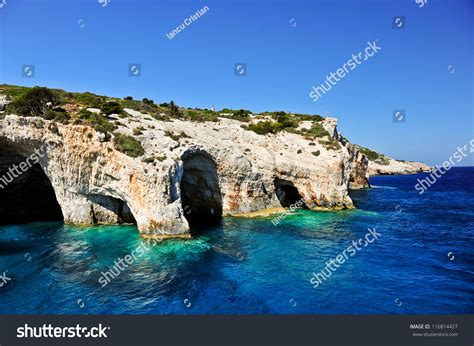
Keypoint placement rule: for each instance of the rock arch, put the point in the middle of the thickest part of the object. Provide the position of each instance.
(109, 210)
(26, 192)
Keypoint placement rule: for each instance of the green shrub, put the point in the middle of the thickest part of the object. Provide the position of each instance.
(132, 104)
(146, 106)
(97, 121)
(279, 114)
(49, 114)
(308, 117)
(316, 153)
(85, 114)
(150, 159)
(240, 115)
(282, 124)
(34, 102)
(14, 92)
(129, 98)
(173, 110)
(89, 100)
(374, 156)
(60, 115)
(285, 121)
(199, 115)
(176, 137)
(128, 145)
(299, 151)
(111, 107)
(262, 127)
(330, 143)
(316, 131)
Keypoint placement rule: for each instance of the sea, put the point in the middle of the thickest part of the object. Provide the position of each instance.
(422, 261)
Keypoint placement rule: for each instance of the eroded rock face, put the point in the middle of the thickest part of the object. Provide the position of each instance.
(359, 178)
(360, 169)
(209, 168)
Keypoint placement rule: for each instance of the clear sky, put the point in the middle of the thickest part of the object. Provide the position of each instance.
(426, 68)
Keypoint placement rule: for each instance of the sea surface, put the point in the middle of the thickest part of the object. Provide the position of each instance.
(422, 262)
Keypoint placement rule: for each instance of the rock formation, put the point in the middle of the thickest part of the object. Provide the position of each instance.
(191, 172)
(397, 167)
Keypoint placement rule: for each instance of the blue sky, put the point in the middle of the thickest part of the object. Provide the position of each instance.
(196, 68)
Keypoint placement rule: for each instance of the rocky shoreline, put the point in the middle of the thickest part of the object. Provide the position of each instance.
(187, 172)
(399, 167)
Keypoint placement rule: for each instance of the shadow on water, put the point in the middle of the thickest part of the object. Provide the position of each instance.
(8, 248)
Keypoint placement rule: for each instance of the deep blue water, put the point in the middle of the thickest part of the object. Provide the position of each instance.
(252, 266)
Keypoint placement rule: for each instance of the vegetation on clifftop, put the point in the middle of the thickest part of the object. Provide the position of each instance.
(35, 102)
(99, 122)
(281, 121)
(374, 156)
(97, 111)
(128, 145)
(74, 102)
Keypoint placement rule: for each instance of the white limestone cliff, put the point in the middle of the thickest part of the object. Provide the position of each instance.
(189, 170)
(393, 166)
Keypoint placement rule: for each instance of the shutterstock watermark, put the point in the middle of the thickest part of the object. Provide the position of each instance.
(16, 170)
(4, 278)
(421, 3)
(28, 71)
(333, 264)
(103, 2)
(332, 79)
(188, 21)
(48, 331)
(291, 210)
(424, 184)
(121, 264)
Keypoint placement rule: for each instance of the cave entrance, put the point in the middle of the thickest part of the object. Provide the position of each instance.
(109, 210)
(200, 192)
(26, 195)
(288, 194)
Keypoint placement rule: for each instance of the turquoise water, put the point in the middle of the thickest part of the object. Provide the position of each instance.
(251, 266)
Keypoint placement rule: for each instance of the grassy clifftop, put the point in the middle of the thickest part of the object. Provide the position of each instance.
(103, 112)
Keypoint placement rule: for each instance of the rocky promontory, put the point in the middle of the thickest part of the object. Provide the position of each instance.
(169, 168)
